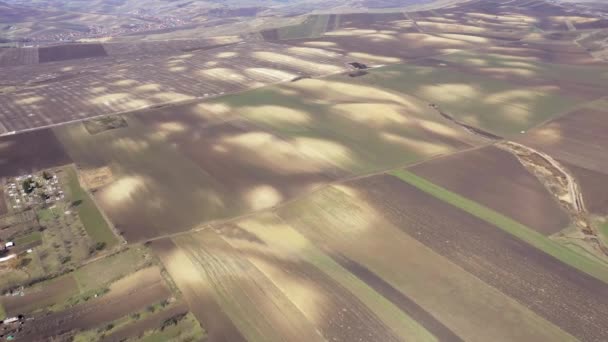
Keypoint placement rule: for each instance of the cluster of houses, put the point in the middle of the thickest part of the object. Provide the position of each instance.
(30, 190)
(10, 327)
(146, 23)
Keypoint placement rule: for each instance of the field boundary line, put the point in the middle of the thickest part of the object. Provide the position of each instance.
(508, 225)
(273, 209)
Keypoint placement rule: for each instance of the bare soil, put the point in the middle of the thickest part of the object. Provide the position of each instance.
(343, 219)
(202, 304)
(594, 186)
(70, 51)
(236, 171)
(496, 179)
(30, 152)
(574, 301)
(401, 300)
(578, 138)
(37, 297)
(339, 315)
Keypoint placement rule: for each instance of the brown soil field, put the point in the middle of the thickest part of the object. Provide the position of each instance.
(215, 171)
(238, 171)
(37, 297)
(71, 51)
(18, 56)
(574, 301)
(153, 321)
(255, 304)
(29, 152)
(127, 295)
(270, 35)
(301, 272)
(578, 138)
(148, 48)
(342, 220)
(496, 179)
(594, 186)
(406, 304)
(109, 88)
(199, 298)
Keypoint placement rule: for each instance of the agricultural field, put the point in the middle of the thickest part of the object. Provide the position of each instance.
(30, 152)
(312, 258)
(275, 146)
(498, 180)
(503, 94)
(313, 26)
(395, 37)
(379, 191)
(144, 199)
(338, 115)
(65, 52)
(298, 172)
(67, 95)
(577, 139)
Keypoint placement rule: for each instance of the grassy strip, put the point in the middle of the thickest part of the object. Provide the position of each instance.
(369, 296)
(313, 26)
(108, 328)
(512, 227)
(91, 218)
(28, 239)
(603, 228)
(110, 269)
(187, 329)
(2, 312)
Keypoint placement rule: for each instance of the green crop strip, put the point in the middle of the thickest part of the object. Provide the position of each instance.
(530, 236)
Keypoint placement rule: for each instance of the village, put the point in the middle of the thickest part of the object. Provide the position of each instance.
(144, 23)
(22, 194)
(27, 191)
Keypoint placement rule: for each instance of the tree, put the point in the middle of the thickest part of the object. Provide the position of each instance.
(100, 245)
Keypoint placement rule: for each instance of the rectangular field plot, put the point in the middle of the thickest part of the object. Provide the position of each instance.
(497, 179)
(173, 173)
(30, 152)
(583, 262)
(70, 51)
(346, 220)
